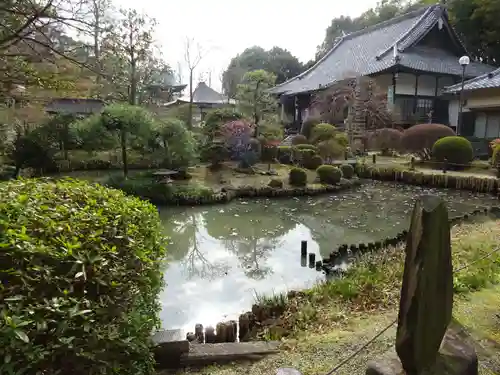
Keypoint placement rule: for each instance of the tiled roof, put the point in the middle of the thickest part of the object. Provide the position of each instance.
(372, 50)
(75, 106)
(486, 81)
(205, 94)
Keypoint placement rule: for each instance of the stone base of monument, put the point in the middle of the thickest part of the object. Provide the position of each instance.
(457, 356)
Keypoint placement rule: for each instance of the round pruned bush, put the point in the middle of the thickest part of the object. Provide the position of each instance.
(456, 150)
(299, 139)
(312, 162)
(81, 272)
(419, 139)
(285, 154)
(323, 132)
(329, 174)
(347, 171)
(385, 140)
(297, 177)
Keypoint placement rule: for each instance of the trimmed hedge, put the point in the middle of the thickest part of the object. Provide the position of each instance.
(297, 177)
(81, 271)
(347, 171)
(457, 150)
(329, 174)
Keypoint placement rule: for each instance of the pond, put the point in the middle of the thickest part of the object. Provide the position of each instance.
(222, 256)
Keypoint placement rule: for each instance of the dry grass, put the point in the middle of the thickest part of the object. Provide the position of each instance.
(339, 317)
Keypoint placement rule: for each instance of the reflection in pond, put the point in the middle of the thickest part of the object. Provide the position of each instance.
(221, 256)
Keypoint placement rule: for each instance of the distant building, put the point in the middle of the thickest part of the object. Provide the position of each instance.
(75, 106)
(204, 98)
(481, 106)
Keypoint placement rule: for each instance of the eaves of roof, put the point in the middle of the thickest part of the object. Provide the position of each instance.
(485, 81)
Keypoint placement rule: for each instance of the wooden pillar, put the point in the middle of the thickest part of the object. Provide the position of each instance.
(393, 104)
(416, 98)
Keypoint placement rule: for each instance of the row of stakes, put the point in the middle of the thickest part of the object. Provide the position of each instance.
(344, 250)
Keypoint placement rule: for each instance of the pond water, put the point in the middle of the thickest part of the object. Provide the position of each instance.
(221, 256)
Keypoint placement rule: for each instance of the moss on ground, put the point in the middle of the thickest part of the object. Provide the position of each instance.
(332, 320)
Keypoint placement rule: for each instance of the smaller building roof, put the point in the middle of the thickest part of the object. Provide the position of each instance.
(486, 81)
(74, 106)
(203, 94)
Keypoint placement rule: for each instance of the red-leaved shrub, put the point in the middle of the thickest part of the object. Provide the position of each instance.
(419, 139)
(385, 139)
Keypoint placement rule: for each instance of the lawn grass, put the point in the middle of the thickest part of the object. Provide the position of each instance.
(333, 319)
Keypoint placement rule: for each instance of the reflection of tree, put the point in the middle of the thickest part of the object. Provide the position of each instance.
(253, 253)
(251, 232)
(185, 239)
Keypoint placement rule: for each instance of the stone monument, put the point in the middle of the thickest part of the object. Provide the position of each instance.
(426, 343)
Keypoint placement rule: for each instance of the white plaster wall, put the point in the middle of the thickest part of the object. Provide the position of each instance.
(405, 84)
(453, 108)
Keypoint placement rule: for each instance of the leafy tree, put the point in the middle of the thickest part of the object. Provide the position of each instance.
(178, 142)
(277, 60)
(253, 96)
(477, 23)
(129, 55)
(126, 120)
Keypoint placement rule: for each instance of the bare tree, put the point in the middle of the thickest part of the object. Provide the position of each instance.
(193, 55)
(365, 102)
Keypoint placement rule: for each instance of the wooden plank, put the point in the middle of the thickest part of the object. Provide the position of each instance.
(227, 352)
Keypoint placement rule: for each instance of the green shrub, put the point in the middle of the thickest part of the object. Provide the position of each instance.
(306, 146)
(347, 170)
(299, 139)
(328, 174)
(323, 132)
(457, 150)
(275, 183)
(342, 139)
(331, 150)
(81, 272)
(313, 162)
(146, 187)
(495, 159)
(308, 126)
(285, 154)
(297, 177)
(420, 138)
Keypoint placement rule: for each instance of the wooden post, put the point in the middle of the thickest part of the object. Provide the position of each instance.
(374, 158)
(412, 163)
(303, 249)
(312, 260)
(198, 332)
(445, 165)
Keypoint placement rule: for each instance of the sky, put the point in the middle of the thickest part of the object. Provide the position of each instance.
(225, 28)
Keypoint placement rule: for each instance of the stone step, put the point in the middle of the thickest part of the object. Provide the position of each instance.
(204, 354)
(170, 345)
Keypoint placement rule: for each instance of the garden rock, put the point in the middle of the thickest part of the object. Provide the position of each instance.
(455, 357)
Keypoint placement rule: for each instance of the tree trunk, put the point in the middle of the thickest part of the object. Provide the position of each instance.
(97, 50)
(190, 112)
(123, 139)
